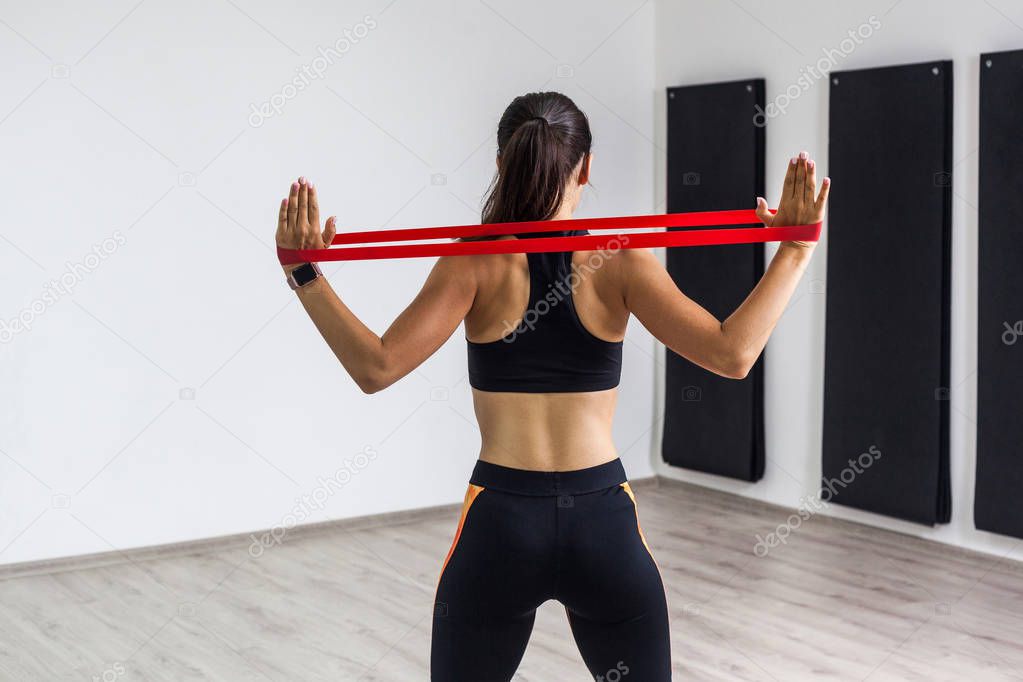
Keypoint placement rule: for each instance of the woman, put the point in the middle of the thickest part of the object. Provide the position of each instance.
(549, 513)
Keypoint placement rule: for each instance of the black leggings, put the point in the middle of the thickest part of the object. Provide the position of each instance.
(528, 536)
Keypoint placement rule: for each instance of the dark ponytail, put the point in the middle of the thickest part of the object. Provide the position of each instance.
(541, 138)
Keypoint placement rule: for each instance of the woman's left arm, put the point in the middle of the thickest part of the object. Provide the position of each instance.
(729, 348)
(374, 362)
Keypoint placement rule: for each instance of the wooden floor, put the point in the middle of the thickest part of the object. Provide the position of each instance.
(837, 602)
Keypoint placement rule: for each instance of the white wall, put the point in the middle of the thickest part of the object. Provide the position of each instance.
(178, 391)
(706, 40)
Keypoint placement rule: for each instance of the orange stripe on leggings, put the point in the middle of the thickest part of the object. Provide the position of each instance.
(628, 489)
(470, 497)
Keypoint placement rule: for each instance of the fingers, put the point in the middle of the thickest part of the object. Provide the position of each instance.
(811, 181)
(314, 208)
(790, 179)
(765, 215)
(799, 189)
(329, 231)
(822, 198)
(303, 204)
(293, 209)
(282, 220)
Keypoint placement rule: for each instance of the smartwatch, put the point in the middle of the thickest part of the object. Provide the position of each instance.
(303, 274)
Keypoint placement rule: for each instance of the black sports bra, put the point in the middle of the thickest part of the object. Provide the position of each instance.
(550, 351)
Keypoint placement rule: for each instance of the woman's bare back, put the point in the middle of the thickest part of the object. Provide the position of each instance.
(545, 431)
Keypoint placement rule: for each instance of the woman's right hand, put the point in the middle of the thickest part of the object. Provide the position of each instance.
(298, 221)
(798, 205)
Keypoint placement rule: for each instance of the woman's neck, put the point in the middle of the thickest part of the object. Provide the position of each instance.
(564, 213)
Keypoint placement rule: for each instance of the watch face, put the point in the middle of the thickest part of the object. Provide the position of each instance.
(304, 274)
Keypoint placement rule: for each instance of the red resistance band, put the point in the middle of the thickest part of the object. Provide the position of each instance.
(590, 242)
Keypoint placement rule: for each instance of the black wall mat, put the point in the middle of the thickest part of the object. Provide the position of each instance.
(715, 162)
(999, 492)
(888, 285)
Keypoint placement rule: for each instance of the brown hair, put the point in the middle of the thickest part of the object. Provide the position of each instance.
(541, 138)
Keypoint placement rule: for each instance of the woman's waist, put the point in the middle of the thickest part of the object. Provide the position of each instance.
(497, 410)
(546, 431)
(575, 444)
(546, 483)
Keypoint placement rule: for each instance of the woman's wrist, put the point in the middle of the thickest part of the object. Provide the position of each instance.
(795, 252)
(799, 248)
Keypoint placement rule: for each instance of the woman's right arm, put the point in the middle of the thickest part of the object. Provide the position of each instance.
(374, 362)
(729, 348)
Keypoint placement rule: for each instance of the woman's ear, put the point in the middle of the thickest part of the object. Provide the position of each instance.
(584, 170)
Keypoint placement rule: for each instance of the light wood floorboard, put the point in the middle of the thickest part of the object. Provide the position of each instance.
(838, 601)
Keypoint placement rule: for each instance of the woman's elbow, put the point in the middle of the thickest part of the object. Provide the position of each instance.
(372, 382)
(737, 365)
(369, 386)
(737, 372)
(372, 379)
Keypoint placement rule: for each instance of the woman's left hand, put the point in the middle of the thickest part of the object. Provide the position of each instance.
(799, 204)
(298, 223)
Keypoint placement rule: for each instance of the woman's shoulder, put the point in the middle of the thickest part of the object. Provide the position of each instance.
(617, 263)
(482, 267)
